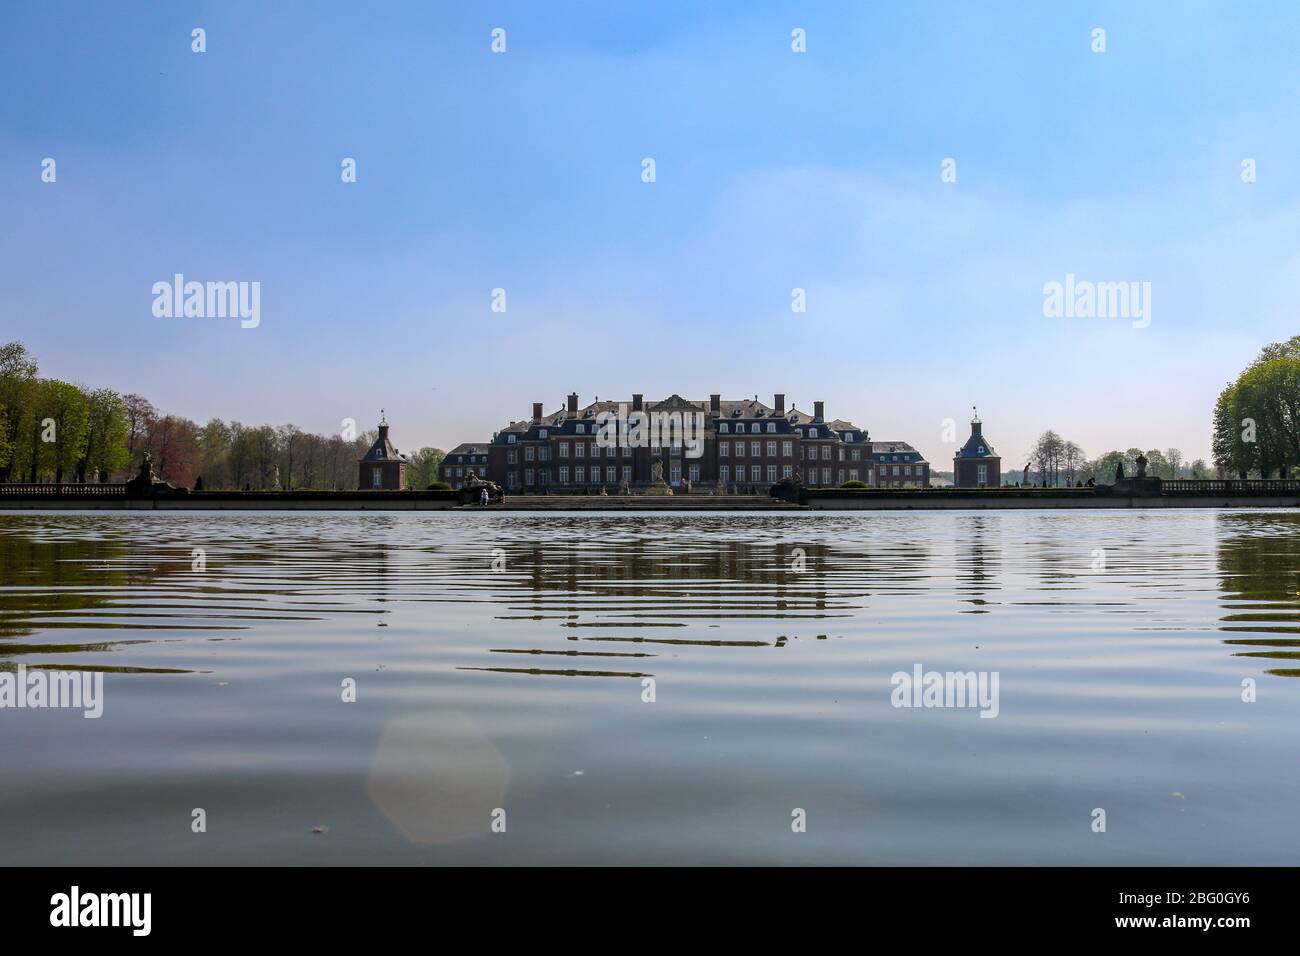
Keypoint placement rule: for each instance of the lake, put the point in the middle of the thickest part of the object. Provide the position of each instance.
(475, 688)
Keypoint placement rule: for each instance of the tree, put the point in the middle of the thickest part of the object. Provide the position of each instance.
(141, 417)
(1073, 458)
(106, 436)
(423, 469)
(55, 437)
(1175, 459)
(1256, 425)
(18, 370)
(174, 444)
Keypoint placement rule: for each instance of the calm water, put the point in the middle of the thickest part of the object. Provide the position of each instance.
(522, 688)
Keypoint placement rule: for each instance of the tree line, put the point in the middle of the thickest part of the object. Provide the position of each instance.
(55, 431)
(1055, 461)
(1257, 417)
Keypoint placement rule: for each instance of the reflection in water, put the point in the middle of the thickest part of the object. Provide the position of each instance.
(1259, 560)
(491, 656)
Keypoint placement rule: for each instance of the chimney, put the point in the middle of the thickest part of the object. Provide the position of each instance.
(778, 402)
(573, 403)
(819, 411)
(637, 401)
(537, 411)
(715, 405)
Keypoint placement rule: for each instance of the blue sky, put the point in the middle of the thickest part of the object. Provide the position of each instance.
(775, 170)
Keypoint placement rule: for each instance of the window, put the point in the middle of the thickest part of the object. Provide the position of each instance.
(529, 454)
(376, 477)
(754, 429)
(857, 454)
(755, 449)
(722, 428)
(907, 469)
(627, 473)
(579, 474)
(771, 426)
(839, 477)
(579, 429)
(826, 476)
(510, 456)
(510, 439)
(675, 473)
(528, 476)
(740, 449)
(771, 449)
(812, 476)
(853, 474)
(983, 475)
(564, 474)
(611, 474)
(512, 480)
(724, 449)
(895, 469)
(541, 477)
(771, 474)
(579, 449)
(543, 454)
(627, 451)
(981, 450)
(541, 433)
(826, 452)
(756, 473)
(787, 471)
(693, 472)
(564, 449)
(787, 448)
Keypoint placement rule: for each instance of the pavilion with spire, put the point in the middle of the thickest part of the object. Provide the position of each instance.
(382, 468)
(976, 464)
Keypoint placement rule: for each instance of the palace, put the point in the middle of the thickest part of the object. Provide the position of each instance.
(746, 446)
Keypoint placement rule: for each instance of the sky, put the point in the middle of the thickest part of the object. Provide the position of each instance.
(774, 171)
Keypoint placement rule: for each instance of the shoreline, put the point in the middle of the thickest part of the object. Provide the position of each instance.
(814, 500)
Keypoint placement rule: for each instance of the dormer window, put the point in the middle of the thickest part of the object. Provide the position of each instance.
(580, 429)
(754, 428)
(760, 413)
(541, 433)
(510, 439)
(735, 413)
(981, 449)
(723, 428)
(771, 426)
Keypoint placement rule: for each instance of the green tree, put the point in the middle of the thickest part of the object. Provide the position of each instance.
(55, 438)
(18, 370)
(106, 436)
(423, 468)
(1256, 425)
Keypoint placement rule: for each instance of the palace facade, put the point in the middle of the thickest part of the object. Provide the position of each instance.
(743, 444)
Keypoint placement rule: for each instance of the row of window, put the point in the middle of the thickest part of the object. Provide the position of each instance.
(756, 449)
